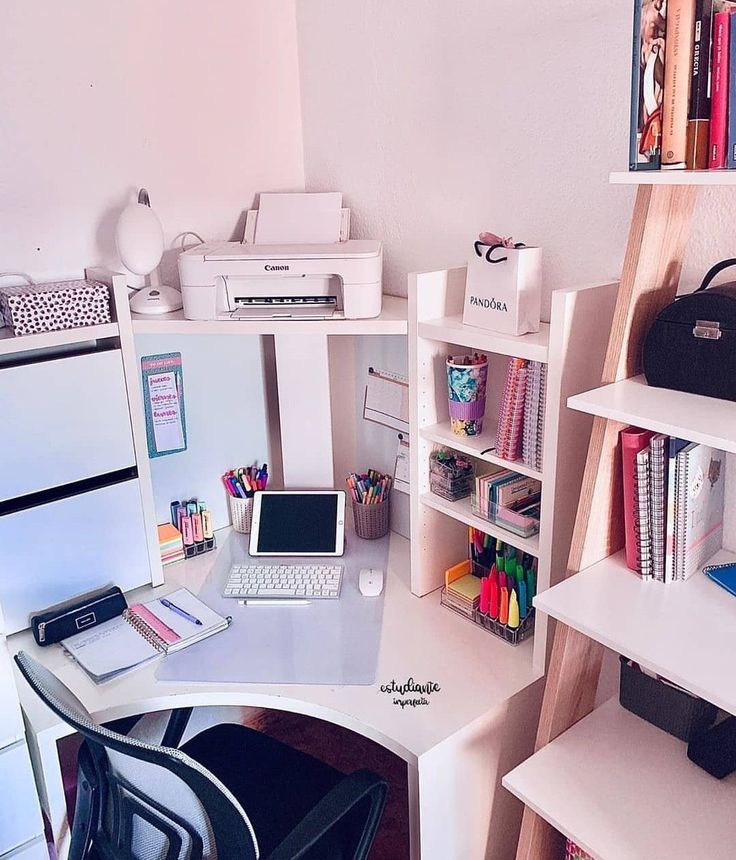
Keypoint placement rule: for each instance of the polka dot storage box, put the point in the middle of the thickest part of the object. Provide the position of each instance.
(36, 308)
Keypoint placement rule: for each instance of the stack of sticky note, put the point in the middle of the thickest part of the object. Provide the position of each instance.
(170, 544)
(462, 589)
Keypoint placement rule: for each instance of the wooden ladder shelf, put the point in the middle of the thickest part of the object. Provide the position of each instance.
(659, 230)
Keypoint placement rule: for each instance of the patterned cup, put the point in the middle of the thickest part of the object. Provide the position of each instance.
(466, 391)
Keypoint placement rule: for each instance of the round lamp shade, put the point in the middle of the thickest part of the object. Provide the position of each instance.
(139, 239)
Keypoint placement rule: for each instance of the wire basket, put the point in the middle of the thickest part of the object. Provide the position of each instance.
(241, 512)
(372, 521)
(449, 482)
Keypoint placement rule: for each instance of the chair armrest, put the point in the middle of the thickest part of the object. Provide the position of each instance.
(337, 803)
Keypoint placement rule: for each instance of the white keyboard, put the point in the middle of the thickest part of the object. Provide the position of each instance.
(315, 581)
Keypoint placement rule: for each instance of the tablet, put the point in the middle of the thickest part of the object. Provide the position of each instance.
(300, 523)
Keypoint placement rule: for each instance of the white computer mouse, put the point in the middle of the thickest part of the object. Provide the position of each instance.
(370, 582)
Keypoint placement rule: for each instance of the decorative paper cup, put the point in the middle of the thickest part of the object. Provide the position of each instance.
(466, 392)
(241, 511)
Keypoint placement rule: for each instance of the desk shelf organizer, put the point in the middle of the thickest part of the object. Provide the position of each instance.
(438, 524)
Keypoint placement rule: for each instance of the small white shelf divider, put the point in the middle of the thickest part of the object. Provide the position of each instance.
(462, 512)
(392, 320)
(442, 434)
(622, 789)
(684, 631)
(10, 344)
(689, 416)
(673, 177)
(439, 527)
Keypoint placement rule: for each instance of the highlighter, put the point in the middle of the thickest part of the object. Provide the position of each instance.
(502, 581)
(519, 572)
(485, 595)
(192, 507)
(500, 562)
(513, 621)
(503, 615)
(206, 523)
(197, 532)
(174, 507)
(531, 584)
(523, 608)
(493, 608)
(186, 530)
(181, 511)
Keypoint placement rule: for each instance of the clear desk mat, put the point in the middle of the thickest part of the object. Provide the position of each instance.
(327, 642)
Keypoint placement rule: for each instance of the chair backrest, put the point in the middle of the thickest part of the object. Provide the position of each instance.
(156, 803)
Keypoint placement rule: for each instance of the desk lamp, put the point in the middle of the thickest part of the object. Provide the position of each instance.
(140, 243)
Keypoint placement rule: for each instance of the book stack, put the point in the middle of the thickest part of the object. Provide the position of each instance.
(683, 85)
(511, 416)
(512, 500)
(673, 504)
(170, 544)
(534, 403)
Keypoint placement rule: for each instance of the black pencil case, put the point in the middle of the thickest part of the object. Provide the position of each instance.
(77, 614)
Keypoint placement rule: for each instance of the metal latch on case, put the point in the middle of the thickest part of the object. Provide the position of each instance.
(707, 329)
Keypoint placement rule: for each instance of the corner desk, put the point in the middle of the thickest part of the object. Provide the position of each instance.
(454, 752)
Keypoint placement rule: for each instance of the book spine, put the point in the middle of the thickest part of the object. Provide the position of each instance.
(642, 524)
(678, 63)
(719, 92)
(731, 149)
(647, 76)
(698, 122)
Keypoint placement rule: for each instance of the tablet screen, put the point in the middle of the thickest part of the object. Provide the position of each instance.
(299, 524)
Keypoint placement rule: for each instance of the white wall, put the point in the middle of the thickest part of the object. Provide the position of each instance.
(197, 102)
(439, 119)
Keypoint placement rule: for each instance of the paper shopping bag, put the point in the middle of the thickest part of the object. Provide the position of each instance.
(503, 289)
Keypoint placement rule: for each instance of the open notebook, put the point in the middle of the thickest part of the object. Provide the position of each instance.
(144, 632)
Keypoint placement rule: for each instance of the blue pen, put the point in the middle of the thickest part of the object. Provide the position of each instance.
(169, 605)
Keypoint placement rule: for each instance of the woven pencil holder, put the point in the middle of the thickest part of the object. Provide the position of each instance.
(371, 521)
(241, 511)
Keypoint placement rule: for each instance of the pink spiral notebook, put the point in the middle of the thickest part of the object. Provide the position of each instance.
(144, 632)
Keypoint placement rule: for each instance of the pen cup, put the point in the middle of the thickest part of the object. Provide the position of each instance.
(466, 394)
(241, 512)
(371, 521)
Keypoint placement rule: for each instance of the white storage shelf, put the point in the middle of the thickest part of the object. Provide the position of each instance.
(450, 329)
(622, 789)
(462, 512)
(392, 320)
(673, 177)
(689, 416)
(684, 631)
(9, 343)
(442, 434)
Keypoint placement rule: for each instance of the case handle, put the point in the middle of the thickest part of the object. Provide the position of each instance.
(714, 271)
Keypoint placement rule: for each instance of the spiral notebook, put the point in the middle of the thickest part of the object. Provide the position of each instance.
(144, 632)
(642, 507)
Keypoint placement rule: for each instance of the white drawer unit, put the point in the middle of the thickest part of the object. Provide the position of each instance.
(20, 817)
(51, 552)
(63, 420)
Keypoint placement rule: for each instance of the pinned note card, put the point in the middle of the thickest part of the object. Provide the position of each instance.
(163, 399)
(299, 219)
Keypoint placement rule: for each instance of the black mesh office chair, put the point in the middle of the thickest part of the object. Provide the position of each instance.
(230, 793)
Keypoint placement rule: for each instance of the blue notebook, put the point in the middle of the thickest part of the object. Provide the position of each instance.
(724, 575)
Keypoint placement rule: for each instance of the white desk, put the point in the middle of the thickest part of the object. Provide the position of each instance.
(456, 748)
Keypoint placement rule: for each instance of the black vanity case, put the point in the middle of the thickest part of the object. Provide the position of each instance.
(691, 346)
(77, 614)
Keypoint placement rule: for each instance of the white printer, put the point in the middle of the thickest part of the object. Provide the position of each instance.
(234, 280)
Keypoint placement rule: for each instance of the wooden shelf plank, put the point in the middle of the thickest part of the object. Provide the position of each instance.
(689, 416)
(392, 320)
(534, 347)
(684, 631)
(673, 177)
(9, 343)
(473, 445)
(462, 512)
(622, 789)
